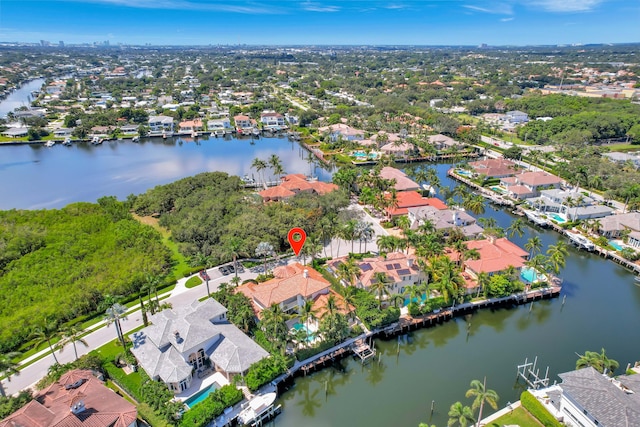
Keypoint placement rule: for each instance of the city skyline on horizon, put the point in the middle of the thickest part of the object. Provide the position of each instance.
(326, 22)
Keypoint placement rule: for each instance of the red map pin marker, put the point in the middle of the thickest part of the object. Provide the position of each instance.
(296, 237)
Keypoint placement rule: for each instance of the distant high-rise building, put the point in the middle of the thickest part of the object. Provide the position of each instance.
(61, 43)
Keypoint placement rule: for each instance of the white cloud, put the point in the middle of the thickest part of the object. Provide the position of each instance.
(246, 8)
(507, 19)
(318, 7)
(495, 8)
(567, 5)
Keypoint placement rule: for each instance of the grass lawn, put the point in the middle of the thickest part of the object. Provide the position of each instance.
(180, 262)
(621, 147)
(518, 416)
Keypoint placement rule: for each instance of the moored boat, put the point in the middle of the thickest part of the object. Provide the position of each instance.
(257, 409)
(50, 143)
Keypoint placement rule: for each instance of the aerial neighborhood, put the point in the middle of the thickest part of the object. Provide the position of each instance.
(443, 185)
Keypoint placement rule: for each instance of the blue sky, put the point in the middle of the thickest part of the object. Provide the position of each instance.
(346, 22)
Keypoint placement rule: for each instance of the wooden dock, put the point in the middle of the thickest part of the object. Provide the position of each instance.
(362, 349)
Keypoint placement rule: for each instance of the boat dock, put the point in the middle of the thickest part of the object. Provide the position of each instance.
(488, 194)
(363, 350)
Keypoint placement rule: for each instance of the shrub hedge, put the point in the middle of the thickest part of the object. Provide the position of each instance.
(209, 409)
(535, 408)
(264, 371)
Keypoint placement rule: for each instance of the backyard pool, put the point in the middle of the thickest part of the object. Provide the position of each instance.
(361, 155)
(615, 245)
(463, 172)
(557, 217)
(420, 300)
(528, 274)
(498, 190)
(201, 395)
(299, 326)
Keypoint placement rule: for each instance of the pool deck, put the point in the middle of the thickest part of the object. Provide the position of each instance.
(198, 384)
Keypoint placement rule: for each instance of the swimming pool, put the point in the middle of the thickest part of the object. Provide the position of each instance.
(615, 245)
(420, 300)
(299, 326)
(200, 396)
(361, 155)
(498, 190)
(557, 217)
(528, 274)
(463, 172)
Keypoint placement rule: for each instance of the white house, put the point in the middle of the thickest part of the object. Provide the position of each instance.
(242, 121)
(575, 206)
(272, 119)
(184, 340)
(517, 117)
(160, 124)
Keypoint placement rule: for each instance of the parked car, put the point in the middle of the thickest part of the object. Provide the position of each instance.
(225, 270)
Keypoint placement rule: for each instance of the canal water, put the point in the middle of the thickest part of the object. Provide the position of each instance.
(20, 97)
(52, 177)
(602, 308)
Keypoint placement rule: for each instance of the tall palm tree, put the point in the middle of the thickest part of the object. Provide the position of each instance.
(274, 325)
(516, 228)
(8, 367)
(474, 203)
(114, 314)
(47, 333)
(348, 271)
(259, 166)
(234, 247)
(276, 165)
(461, 415)
(263, 250)
(386, 243)
(72, 334)
(307, 313)
(533, 245)
(557, 256)
(599, 361)
(380, 286)
(481, 396)
(482, 281)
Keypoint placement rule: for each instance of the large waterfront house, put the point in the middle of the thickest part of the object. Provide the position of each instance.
(221, 124)
(293, 184)
(343, 131)
(496, 256)
(587, 398)
(399, 149)
(402, 181)
(575, 206)
(443, 142)
(190, 126)
(291, 287)
(615, 225)
(412, 199)
(400, 269)
(160, 124)
(516, 117)
(184, 340)
(444, 220)
(77, 399)
(271, 119)
(494, 168)
(242, 121)
(528, 184)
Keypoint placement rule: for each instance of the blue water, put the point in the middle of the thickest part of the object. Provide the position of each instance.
(528, 274)
(463, 172)
(615, 245)
(498, 190)
(200, 396)
(557, 217)
(420, 300)
(310, 335)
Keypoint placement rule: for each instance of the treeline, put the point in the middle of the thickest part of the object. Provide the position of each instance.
(575, 119)
(211, 216)
(56, 266)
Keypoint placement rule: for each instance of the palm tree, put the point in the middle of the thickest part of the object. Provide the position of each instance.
(481, 396)
(46, 334)
(259, 166)
(461, 415)
(474, 203)
(482, 281)
(276, 165)
(599, 361)
(380, 286)
(307, 313)
(348, 271)
(274, 325)
(516, 227)
(234, 247)
(8, 367)
(72, 334)
(557, 256)
(386, 243)
(533, 245)
(263, 250)
(447, 277)
(114, 314)
(152, 283)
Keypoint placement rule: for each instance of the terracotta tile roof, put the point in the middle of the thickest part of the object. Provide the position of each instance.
(293, 184)
(494, 167)
(280, 289)
(538, 178)
(276, 193)
(52, 406)
(520, 189)
(495, 255)
(412, 199)
(403, 183)
(395, 265)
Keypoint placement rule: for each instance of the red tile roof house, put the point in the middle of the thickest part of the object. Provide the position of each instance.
(293, 184)
(412, 199)
(189, 126)
(494, 168)
(496, 255)
(529, 184)
(290, 288)
(401, 270)
(242, 122)
(345, 131)
(403, 183)
(77, 399)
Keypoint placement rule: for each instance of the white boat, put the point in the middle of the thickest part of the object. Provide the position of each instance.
(580, 241)
(97, 140)
(536, 218)
(135, 139)
(219, 132)
(67, 141)
(50, 143)
(257, 408)
(256, 131)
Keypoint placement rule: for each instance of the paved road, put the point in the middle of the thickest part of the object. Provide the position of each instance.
(179, 296)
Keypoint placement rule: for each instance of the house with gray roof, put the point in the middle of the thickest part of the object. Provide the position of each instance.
(575, 206)
(591, 399)
(444, 219)
(185, 340)
(613, 226)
